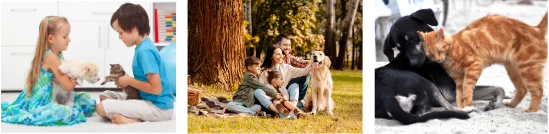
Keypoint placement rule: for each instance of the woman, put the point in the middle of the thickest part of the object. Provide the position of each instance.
(273, 61)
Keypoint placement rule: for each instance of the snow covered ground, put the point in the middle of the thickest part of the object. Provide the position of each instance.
(503, 120)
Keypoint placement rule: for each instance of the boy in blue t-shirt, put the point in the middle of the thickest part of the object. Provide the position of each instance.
(131, 23)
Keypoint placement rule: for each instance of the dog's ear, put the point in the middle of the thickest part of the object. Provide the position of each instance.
(327, 61)
(425, 15)
(89, 71)
(388, 48)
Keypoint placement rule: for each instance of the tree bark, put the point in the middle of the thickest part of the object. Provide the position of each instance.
(353, 55)
(248, 17)
(359, 65)
(347, 26)
(216, 42)
(329, 43)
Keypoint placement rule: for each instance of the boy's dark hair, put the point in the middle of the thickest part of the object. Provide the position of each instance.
(132, 15)
(252, 60)
(272, 75)
(280, 37)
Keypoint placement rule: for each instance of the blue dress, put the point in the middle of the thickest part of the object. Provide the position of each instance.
(40, 110)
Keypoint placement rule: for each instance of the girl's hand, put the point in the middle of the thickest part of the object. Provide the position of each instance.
(123, 81)
(55, 80)
(285, 99)
(279, 96)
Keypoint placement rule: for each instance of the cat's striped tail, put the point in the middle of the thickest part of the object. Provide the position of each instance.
(543, 25)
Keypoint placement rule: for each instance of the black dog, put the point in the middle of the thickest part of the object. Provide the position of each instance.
(392, 84)
(412, 64)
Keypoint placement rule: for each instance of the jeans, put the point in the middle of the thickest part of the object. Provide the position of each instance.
(262, 97)
(298, 86)
(238, 107)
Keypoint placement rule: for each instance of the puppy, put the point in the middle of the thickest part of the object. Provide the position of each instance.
(320, 98)
(79, 71)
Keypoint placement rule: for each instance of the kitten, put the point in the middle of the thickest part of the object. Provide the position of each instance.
(493, 39)
(116, 72)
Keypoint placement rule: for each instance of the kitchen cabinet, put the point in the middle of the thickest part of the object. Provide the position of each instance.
(20, 23)
(92, 37)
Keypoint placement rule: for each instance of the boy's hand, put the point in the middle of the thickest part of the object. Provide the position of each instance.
(123, 81)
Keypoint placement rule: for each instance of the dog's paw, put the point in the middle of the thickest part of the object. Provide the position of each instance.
(469, 109)
(330, 113)
(494, 105)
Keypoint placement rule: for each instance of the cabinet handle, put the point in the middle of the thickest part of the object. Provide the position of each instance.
(21, 53)
(102, 13)
(17, 45)
(23, 10)
(99, 37)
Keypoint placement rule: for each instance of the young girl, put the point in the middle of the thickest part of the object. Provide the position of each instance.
(283, 105)
(273, 61)
(34, 104)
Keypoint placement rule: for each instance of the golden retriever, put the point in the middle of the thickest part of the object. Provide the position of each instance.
(320, 98)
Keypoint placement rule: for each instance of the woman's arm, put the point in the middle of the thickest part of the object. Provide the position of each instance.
(52, 63)
(294, 72)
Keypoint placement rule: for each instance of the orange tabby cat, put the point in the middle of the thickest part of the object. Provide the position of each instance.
(493, 39)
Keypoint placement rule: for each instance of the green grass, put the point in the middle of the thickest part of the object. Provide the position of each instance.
(347, 94)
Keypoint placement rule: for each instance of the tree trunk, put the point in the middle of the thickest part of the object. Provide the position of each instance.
(258, 51)
(353, 55)
(359, 65)
(216, 42)
(250, 51)
(347, 26)
(248, 17)
(329, 43)
(359, 52)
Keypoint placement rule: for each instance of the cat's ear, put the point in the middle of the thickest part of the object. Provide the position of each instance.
(420, 35)
(440, 34)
